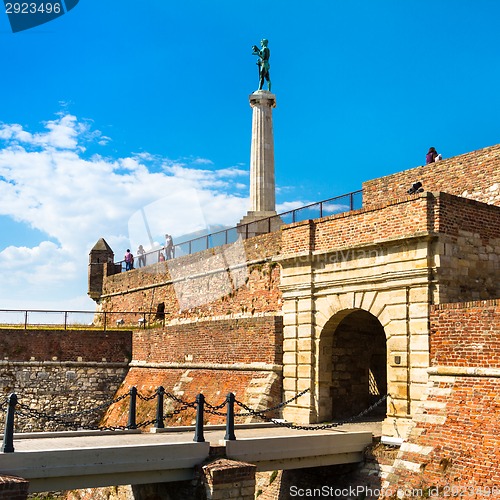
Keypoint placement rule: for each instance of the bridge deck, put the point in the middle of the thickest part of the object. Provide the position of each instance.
(58, 461)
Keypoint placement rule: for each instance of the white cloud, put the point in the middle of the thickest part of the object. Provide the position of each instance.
(47, 183)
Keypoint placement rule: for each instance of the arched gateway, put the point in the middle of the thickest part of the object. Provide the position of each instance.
(353, 365)
(355, 321)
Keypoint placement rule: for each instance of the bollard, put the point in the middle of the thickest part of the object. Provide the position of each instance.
(230, 418)
(8, 438)
(200, 407)
(131, 410)
(159, 408)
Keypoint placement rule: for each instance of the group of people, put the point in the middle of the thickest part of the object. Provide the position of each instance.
(141, 253)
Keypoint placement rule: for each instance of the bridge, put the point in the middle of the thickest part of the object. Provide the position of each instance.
(112, 456)
(85, 459)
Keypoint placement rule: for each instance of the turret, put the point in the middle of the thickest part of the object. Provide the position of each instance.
(101, 263)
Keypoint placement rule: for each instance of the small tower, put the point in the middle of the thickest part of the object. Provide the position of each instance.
(101, 263)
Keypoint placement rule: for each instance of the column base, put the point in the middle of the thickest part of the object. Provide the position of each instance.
(256, 223)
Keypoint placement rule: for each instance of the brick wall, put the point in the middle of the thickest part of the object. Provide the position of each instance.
(60, 371)
(244, 340)
(257, 389)
(474, 175)
(227, 280)
(400, 218)
(455, 442)
(466, 334)
(13, 488)
(214, 357)
(65, 345)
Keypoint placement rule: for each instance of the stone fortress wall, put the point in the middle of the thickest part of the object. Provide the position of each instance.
(62, 371)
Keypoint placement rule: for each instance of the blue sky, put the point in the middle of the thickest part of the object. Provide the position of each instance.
(121, 105)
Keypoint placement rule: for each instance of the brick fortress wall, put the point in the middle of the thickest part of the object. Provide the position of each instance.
(463, 240)
(474, 175)
(222, 332)
(456, 435)
(242, 356)
(60, 371)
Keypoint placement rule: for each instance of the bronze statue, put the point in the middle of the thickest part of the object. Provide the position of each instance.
(263, 63)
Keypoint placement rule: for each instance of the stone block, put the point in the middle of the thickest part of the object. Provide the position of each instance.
(419, 342)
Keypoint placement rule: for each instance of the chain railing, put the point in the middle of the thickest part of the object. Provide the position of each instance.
(72, 420)
(338, 204)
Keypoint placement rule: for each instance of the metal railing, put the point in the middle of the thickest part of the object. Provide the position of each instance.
(76, 420)
(339, 204)
(102, 320)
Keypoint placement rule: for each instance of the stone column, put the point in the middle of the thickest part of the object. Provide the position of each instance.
(13, 488)
(229, 479)
(262, 183)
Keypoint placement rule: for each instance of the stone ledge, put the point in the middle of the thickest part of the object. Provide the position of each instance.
(464, 371)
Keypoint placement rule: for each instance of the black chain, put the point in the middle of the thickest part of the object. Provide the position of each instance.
(39, 414)
(314, 427)
(252, 413)
(179, 400)
(215, 408)
(147, 398)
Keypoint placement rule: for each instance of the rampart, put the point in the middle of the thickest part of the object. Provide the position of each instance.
(62, 371)
(474, 175)
(243, 356)
(452, 449)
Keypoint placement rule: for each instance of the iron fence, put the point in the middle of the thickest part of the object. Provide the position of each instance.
(339, 204)
(38, 318)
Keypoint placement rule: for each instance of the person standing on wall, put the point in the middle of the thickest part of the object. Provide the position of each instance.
(129, 260)
(169, 247)
(142, 256)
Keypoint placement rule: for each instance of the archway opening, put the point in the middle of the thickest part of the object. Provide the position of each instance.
(356, 352)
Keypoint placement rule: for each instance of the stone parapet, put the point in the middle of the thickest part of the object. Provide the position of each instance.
(229, 479)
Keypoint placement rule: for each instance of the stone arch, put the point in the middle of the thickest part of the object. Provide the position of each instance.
(352, 364)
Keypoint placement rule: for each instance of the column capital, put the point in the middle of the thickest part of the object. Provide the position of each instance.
(260, 97)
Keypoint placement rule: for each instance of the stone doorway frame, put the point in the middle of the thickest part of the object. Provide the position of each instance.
(394, 285)
(328, 342)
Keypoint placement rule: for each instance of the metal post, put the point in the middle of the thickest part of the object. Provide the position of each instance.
(230, 418)
(320, 209)
(351, 199)
(131, 410)
(200, 407)
(65, 320)
(104, 320)
(8, 437)
(159, 408)
(25, 320)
